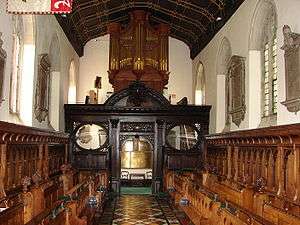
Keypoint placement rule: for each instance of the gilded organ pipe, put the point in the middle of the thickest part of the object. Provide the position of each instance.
(139, 52)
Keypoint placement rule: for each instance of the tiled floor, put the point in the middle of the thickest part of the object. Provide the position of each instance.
(139, 210)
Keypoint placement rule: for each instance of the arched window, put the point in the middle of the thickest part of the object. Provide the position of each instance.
(54, 92)
(15, 78)
(263, 65)
(72, 84)
(223, 122)
(269, 47)
(21, 89)
(200, 85)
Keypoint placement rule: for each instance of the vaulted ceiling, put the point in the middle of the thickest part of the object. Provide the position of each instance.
(194, 22)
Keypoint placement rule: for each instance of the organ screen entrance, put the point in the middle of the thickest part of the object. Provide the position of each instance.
(136, 162)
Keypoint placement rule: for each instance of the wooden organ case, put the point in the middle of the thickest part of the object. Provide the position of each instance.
(139, 52)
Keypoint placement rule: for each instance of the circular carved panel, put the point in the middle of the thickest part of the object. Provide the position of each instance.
(91, 137)
(182, 137)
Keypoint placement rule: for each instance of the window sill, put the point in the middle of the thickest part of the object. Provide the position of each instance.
(268, 121)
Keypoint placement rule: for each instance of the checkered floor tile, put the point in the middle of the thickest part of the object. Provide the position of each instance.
(142, 210)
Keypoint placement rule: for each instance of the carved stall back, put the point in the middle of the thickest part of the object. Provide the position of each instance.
(250, 177)
(138, 52)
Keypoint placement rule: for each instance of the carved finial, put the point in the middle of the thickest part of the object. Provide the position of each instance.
(26, 181)
(36, 178)
(260, 184)
(64, 168)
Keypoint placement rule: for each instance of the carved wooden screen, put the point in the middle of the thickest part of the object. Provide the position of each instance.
(2, 68)
(41, 107)
(236, 85)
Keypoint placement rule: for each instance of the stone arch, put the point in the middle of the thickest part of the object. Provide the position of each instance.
(55, 54)
(223, 56)
(22, 89)
(223, 59)
(264, 13)
(72, 84)
(262, 36)
(200, 84)
(55, 82)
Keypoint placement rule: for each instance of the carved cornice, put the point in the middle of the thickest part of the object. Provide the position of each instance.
(12, 133)
(285, 135)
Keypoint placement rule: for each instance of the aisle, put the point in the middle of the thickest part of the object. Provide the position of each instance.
(141, 210)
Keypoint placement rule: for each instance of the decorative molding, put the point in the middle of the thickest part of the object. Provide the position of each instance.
(41, 105)
(17, 134)
(236, 89)
(138, 95)
(292, 69)
(143, 127)
(3, 57)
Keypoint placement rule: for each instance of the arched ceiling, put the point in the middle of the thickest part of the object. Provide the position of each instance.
(192, 21)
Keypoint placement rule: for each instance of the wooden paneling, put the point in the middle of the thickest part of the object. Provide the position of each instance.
(28, 155)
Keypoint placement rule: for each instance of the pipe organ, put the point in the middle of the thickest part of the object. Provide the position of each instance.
(139, 52)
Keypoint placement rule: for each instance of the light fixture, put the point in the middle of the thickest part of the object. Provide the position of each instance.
(218, 18)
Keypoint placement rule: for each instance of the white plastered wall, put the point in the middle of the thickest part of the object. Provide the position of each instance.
(237, 30)
(46, 26)
(95, 63)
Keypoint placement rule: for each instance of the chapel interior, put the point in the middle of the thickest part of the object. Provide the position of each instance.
(151, 112)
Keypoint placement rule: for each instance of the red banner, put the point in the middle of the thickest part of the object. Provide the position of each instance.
(39, 6)
(61, 6)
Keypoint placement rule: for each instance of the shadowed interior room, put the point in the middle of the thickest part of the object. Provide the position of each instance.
(155, 112)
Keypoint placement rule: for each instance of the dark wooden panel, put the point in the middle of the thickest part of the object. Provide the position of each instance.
(178, 162)
(91, 161)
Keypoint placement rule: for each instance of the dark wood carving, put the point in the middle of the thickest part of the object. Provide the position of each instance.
(41, 105)
(146, 116)
(139, 52)
(236, 89)
(3, 56)
(146, 127)
(137, 95)
(291, 49)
